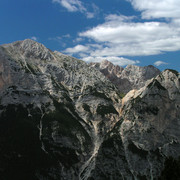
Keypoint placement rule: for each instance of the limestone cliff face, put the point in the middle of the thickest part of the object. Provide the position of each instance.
(126, 79)
(54, 112)
(61, 118)
(148, 133)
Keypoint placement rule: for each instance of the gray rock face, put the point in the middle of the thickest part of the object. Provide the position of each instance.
(64, 104)
(126, 79)
(148, 133)
(62, 119)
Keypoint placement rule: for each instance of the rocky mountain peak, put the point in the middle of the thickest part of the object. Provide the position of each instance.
(30, 48)
(146, 71)
(170, 79)
(132, 66)
(126, 79)
(29, 44)
(105, 63)
(68, 105)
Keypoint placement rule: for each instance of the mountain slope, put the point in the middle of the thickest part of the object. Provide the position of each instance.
(51, 109)
(140, 145)
(61, 118)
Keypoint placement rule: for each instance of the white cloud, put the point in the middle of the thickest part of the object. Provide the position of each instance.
(62, 40)
(115, 60)
(114, 18)
(157, 9)
(120, 36)
(34, 38)
(78, 6)
(159, 63)
(78, 39)
(78, 48)
(90, 15)
(71, 5)
(59, 38)
(93, 12)
(66, 36)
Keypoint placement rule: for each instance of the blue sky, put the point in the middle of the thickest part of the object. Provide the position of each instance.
(140, 32)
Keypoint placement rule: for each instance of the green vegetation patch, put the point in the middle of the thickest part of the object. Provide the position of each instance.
(86, 107)
(151, 109)
(21, 155)
(103, 110)
(31, 68)
(171, 169)
(140, 152)
(98, 94)
(121, 94)
(66, 124)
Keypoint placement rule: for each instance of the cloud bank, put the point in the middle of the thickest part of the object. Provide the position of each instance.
(159, 63)
(78, 6)
(155, 32)
(157, 9)
(34, 38)
(115, 60)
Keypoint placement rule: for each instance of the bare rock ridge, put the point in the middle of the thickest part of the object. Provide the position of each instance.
(54, 112)
(62, 119)
(144, 144)
(126, 79)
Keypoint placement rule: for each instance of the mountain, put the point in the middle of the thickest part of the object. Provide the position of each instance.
(147, 136)
(54, 112)
(62, 119)
(126, 79)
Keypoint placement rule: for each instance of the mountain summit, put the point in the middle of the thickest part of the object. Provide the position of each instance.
(126, 79)
(61, 118)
